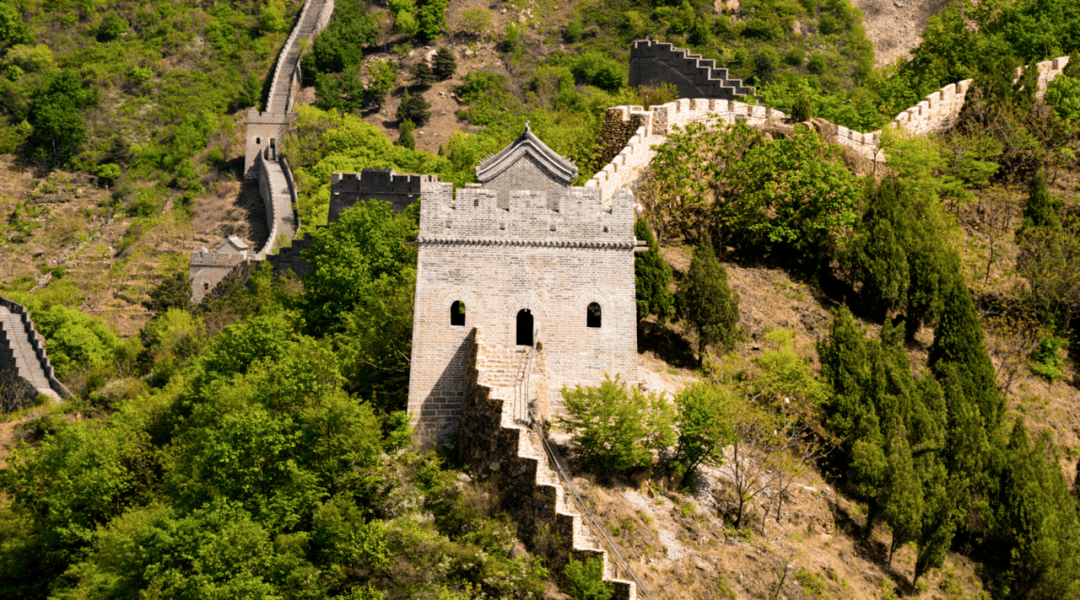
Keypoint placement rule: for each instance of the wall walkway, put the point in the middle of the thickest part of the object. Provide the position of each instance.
(22, 354)
(629, 133)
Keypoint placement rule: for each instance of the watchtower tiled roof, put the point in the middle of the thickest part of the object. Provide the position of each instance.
(561, 170)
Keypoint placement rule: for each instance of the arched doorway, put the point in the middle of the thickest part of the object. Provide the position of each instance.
(524, 327)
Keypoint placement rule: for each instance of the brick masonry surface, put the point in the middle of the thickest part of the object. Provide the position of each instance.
(500, 449)
(552, 252)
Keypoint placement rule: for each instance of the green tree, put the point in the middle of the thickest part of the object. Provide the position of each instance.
(706, 301)
(405, 135)
(423, 74)
(173, 292)
(1042, 206)
(802, 110)
(652, 277)
(586, 580)
(705, 425)
(431, 19)
(365, 244)
(958, 343)
(413, 108)
(13, 27)
(445, 63)
(903, 495)
(616, 428)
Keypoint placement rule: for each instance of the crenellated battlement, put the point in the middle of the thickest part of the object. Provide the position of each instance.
(547, 216)
(346, 189)
(655, 63)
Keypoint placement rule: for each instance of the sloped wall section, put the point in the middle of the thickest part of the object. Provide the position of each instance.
(24, 362)
(631, 152)
(502, 449)
(654, 63)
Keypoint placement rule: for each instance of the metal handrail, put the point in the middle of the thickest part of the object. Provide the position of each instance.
(553, 454)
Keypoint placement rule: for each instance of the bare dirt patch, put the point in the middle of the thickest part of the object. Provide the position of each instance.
(895, 26)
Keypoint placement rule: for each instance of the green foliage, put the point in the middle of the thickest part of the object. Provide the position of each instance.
(76, 341)
(900, 253)
(365, 245)
(1064, 95)
(405, 135)
(1042, 206)
(585, 580)
(413, 108)
(1047, 359)
(174, 292)
(431, 19)
(958, 344)
(802, 110)
(705, 424)
(652, 277)
(476, 22)
(791, 193)
(706, 301)
(617, 429)
(445, 63)
(422, 74)
(14, 29)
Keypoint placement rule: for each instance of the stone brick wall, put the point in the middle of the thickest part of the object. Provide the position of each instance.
(654, 63)
(500, 449)
(938, 112)
(23, 356)
(346, 189)
(209, 267)
(552, 253)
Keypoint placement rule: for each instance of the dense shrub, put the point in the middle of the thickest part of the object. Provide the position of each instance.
(616, 428)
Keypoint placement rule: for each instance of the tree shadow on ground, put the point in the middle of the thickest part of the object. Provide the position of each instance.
(669, 345)
(873, 550)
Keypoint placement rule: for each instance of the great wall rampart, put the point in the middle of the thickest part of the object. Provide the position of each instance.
(653, 63)
(503, 398)
(629, 133)
(264, 160)
(24, 362)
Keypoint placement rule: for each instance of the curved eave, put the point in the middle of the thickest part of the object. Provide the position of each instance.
(529, 144)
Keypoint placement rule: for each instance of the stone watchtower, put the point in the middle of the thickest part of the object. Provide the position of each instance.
(525, 258)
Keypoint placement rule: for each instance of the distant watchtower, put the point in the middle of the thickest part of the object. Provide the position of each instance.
(525, 257)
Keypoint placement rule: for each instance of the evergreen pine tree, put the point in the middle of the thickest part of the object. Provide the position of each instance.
(445, 64)
(423, 74)
(903, 495)
(653, 278)
(413, 108)
(938, 522)
(405, 136)
(706, 301)
(845, 366)
(1041, 209)
(958, 342)
(879, 254)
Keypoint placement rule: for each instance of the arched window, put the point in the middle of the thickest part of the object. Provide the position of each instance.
(457, 313)
(524, 328)
(258, 140)
(592, 315)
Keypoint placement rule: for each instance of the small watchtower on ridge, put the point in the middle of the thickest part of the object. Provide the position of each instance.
(525, 257)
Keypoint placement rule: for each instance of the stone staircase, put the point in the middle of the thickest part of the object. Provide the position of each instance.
(22, 353)
(505, 450)
(654, 63)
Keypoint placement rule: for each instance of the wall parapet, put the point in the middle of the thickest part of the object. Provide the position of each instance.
(37, 345)
(502, 449)
(937, 112)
